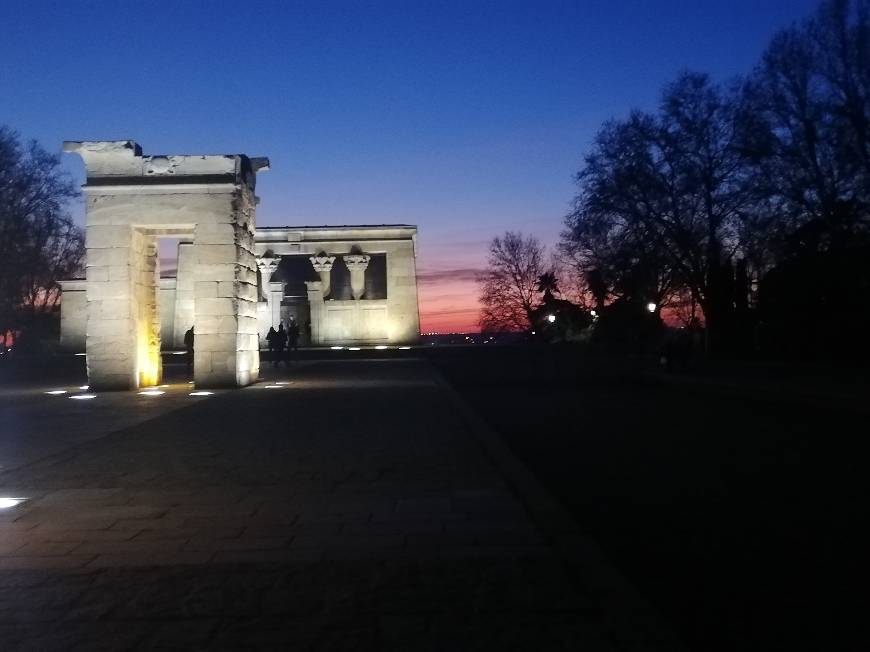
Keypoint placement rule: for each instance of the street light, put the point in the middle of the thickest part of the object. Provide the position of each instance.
(551, 318)
(651, 307)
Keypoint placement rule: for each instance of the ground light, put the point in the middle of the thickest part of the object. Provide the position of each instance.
(83, 397)
(273, 386)
(353, 348)
(85, 387)
(405, 348)
(381, 347)
(151, 392)
(336, 348)
(54, 392)
(201, 393)
(8, 502)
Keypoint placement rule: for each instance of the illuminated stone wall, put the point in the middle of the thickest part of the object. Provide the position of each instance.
(73, 315)
(131, 200)
(184, 295)
(394, 320)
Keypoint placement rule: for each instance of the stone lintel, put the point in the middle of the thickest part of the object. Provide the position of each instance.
(121, 163)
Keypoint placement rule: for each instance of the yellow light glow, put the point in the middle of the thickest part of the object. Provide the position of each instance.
(148, 356)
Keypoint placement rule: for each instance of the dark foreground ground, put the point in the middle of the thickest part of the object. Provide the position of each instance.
(350, 504)
(735, 500)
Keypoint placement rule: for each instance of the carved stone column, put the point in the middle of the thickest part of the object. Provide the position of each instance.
(357, 264)
(267, 266)
(315, 306)
(265, 301)
(323, 265)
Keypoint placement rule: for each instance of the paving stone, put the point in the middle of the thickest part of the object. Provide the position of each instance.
(354, 511)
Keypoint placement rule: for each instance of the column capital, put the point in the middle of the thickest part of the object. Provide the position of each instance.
(268, 265)
(356, 262)
(322, 262)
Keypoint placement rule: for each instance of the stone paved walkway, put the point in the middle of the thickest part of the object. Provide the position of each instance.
(349, 509)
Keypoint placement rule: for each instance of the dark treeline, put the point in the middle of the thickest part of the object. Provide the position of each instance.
(39, 242)
(742, 206)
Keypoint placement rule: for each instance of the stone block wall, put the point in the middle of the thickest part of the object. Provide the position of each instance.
(166, 300)
(404, 313)
(226, 351)
(184, 293)
(131, 201)
(73, 315)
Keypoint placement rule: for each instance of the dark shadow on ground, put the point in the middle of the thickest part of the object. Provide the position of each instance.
(737, 514)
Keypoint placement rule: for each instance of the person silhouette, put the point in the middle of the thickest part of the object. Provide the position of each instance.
(270, 340)
(188, 346)
(280, 343)
(293, 336)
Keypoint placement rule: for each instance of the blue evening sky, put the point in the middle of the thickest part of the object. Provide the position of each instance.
(465, 118)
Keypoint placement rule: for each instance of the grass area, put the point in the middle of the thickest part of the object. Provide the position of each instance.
(737, 515)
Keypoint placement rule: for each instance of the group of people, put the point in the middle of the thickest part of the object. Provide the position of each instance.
(282, 341)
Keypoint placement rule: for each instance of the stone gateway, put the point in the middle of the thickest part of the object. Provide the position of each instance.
(341, 285)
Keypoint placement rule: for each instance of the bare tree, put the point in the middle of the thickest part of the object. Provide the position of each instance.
(807, 127)
(662, 201)
(508, 287)
(39, 242)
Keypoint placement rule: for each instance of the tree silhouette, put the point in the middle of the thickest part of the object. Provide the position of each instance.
(509, 285)
(548, 285)
(662, 199)
(39, 243)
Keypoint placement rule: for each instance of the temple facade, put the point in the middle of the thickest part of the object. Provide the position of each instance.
(341, 285)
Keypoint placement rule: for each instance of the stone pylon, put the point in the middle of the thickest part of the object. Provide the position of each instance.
(131, 201)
